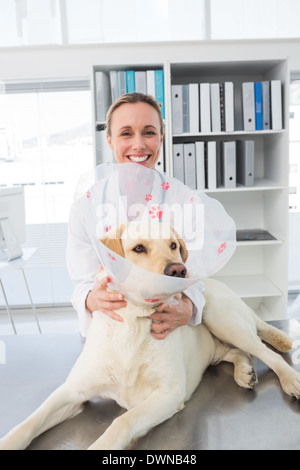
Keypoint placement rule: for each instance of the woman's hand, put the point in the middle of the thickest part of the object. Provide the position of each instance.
(99, 298)
(171, 316)
(164, 321)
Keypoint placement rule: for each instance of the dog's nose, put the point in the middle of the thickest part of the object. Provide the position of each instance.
(175, 269)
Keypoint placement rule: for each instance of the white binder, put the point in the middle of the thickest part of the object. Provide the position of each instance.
(103, 95)
(245, 157)
(194, 107)
(189, 165)
(228, 164)
(229, 106)
(205, 124)
(177, 117)
(160, 164)
(140, 81)
(211, 164)
(121, 75)
(266, 104)
(150, 75)
(215, 107)
(104, 154)
(276, 104)
(178, 167)
(200, 165)
(185, 109)
(248, 106)
(114, 86)
(150, 82)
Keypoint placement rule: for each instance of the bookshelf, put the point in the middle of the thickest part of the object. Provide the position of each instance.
(258, 270)
(102, 152)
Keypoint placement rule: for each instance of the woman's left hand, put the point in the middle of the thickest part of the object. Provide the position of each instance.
(171, 316)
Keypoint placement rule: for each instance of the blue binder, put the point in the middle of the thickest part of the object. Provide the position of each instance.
(159, 90)
(258, 106)
(130, 81)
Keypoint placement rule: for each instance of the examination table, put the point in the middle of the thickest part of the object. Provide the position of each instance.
(219, 416)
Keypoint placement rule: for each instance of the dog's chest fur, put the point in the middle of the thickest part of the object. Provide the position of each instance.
(131, 360)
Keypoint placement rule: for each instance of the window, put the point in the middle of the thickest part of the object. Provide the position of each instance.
(295, 142)
(294, 193)
(45, 145)
(25, 22)
(253, 19)
(36, 22)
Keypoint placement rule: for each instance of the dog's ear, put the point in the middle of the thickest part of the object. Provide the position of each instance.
(183, 249)
(113, 240)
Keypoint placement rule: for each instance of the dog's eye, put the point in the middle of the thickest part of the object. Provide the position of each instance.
(139, 249)
(173, 246)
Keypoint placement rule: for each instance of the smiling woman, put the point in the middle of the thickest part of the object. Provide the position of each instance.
(135, 133)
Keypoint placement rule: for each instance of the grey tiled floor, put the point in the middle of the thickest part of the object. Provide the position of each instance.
(56, 320)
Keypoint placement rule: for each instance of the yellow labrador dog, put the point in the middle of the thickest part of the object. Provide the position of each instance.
(153, 379)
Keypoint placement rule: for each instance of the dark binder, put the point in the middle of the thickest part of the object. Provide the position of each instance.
(255, 234)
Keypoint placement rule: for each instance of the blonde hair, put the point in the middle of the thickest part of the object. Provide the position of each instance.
(133, 98)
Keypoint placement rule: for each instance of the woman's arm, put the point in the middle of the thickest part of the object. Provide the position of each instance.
(83, 264)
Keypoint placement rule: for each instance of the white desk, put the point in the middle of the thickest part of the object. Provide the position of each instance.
(15, 265)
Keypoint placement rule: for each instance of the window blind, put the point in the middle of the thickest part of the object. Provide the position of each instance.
(46, 85)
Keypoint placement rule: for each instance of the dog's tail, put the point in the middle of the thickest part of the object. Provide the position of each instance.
(272, 335)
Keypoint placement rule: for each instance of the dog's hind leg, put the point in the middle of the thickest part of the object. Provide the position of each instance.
(289, 378)
(232, 321)
(62, 404)
(268, 333)
(248, 341)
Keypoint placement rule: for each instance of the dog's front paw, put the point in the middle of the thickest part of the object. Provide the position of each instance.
(114, 438)
(291, 384)
(2, 444)
(8, 444)
(102, 444)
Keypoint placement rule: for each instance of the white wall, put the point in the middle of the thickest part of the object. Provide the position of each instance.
(77, 61)
(294, 252)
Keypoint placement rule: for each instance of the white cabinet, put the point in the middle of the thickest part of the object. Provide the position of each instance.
(258, 270)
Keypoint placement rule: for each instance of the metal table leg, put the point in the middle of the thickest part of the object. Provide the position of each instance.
(7, 308)
(32, 304)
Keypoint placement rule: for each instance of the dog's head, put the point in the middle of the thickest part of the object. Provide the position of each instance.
(154, 247)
